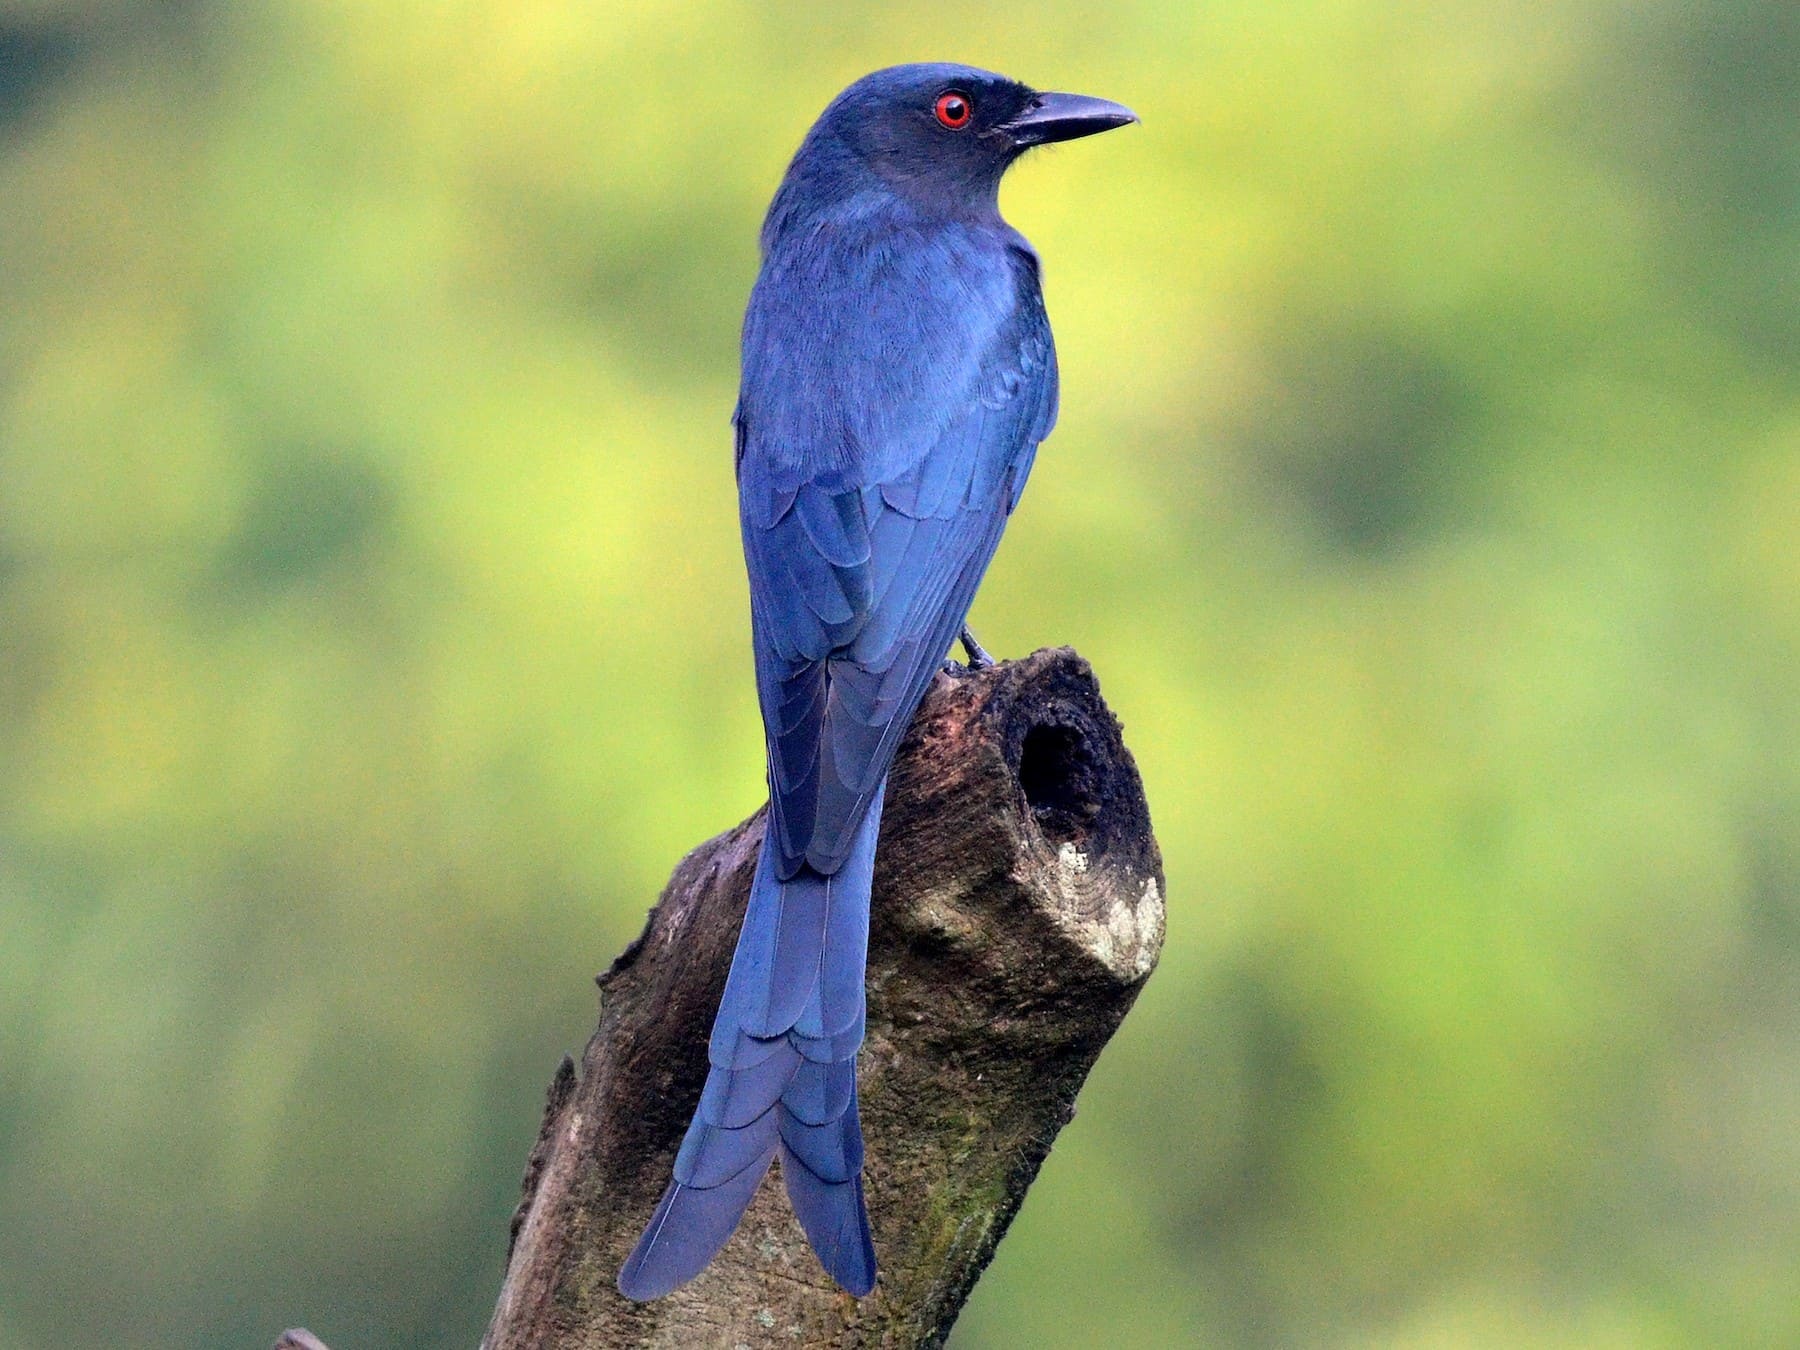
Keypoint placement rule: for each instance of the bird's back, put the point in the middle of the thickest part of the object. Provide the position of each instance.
(870, 330)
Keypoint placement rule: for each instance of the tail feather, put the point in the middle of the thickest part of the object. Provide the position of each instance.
(801, 933)
(820, 1092)
(732, 1048)
(835, 1219)
(735, 1097)
(776, 966)
(688, 1228)
(712, 1155)
(836, 1002)
(832, 1151)
(830, 1049)
(782, 1079)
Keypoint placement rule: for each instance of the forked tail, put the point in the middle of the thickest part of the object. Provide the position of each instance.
(783, 1078)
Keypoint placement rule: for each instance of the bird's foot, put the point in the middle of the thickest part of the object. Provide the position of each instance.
(978, 655)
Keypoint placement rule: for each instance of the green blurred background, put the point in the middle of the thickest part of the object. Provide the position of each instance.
(373, 641)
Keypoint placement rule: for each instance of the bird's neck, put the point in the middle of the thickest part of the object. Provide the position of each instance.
(829, 183)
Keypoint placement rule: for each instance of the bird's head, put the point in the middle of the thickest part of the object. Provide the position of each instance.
(942, 135)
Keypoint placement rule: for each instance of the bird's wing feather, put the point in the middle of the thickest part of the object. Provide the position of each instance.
(859, 583)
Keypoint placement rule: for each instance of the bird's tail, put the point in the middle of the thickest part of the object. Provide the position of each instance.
(783, 1079)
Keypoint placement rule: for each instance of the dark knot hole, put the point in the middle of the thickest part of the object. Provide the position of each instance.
(1061, 780)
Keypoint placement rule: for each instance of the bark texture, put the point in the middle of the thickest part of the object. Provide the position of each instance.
(1018, 909)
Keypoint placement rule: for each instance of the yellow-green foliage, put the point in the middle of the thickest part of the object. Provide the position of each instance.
(373, 641)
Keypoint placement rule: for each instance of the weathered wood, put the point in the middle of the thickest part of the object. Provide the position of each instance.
(1018, 909)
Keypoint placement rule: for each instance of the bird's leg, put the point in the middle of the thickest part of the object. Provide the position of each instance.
(978, 655)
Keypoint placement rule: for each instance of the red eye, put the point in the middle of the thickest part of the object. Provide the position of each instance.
(954, 110)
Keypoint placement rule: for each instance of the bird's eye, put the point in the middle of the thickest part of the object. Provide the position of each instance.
(954, 109)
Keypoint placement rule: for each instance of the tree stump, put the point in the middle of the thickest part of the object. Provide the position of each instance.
(1018, 909)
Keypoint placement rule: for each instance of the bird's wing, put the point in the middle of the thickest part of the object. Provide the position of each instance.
(860, 581)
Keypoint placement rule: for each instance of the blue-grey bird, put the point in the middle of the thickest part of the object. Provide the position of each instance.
(898, 375)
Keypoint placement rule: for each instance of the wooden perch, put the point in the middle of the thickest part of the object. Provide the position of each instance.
(1018, 909)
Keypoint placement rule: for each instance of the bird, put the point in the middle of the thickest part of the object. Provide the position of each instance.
(898, 374)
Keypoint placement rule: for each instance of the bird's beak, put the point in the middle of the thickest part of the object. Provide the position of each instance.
(1063, 117)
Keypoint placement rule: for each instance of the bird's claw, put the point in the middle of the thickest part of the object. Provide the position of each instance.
(978, 655)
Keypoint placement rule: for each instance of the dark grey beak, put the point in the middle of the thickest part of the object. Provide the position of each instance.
(1063, 117)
